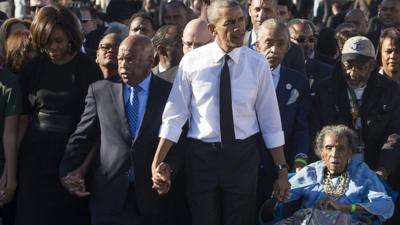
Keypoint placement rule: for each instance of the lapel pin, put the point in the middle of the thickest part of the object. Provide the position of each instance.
(288, 86)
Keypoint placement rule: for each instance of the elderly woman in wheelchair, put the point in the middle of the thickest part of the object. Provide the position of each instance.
(337, 189)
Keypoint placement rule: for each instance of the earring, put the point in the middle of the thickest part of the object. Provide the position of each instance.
(97, 60)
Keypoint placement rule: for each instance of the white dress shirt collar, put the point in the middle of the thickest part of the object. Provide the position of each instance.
(276, 74)
(218, 53)
(253, 39)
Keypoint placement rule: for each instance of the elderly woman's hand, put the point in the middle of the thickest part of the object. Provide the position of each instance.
(329, 204)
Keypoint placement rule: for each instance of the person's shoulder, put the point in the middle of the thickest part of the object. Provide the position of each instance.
(160, 82)
(295, 76)
(102, 84)
(360, 171)
(7, 78)
(251, 54)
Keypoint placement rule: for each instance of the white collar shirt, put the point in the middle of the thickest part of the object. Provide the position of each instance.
(195, 97)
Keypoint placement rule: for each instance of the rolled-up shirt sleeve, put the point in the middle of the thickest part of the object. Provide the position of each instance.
(267, 110)
(176, 111)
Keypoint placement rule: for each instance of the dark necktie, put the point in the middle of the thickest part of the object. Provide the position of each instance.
(225, 107)
(132, 109)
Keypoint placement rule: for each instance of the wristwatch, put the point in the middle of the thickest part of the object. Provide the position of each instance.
(282, 166)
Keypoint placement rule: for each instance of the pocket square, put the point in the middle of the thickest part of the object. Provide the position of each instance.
(294, 94)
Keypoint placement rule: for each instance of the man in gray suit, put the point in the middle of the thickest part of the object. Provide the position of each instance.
(126, 116)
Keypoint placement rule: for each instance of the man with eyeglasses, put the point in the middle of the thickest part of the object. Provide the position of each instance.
(168, 47)
(359, 97)
(88, 19)
(196, 34)
(302, 33)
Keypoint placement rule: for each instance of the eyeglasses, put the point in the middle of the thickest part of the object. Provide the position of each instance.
(107, 47)
(303, 39)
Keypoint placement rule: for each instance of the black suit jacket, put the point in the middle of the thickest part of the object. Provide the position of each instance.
(294, 58)
(105, 116)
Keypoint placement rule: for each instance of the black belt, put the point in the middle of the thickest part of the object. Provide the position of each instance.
(53, 122)
(218, 145)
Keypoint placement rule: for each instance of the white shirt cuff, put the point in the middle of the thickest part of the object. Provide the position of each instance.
(273, 140)
(170, 132)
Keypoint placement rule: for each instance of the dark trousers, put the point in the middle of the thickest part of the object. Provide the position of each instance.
(222, 182)
(128, 216)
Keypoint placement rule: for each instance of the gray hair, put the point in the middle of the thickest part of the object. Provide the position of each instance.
(272, 23)
(212, 10)
(341, 131)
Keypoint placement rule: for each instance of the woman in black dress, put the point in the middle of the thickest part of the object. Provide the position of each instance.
(54, 86)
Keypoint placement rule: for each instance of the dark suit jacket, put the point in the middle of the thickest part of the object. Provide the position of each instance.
(294, 58)
(317, 71)
(294, 105)
(168, 75)
(295, 125)
(105, 116)
(380, 110)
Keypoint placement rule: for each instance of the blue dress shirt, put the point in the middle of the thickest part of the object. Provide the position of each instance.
(142, 95)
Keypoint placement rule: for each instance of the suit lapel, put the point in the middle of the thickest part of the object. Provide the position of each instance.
(282, 93)
(116, 90)
(150, 107)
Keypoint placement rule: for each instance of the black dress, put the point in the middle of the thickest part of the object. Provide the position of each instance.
(54, 96)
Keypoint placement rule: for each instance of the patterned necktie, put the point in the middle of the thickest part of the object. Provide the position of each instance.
(225, 107)
(132, 109)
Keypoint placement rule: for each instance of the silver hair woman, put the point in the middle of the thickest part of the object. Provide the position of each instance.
(338, 187)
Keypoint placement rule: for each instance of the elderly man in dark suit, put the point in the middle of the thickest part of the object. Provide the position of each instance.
(261, 10)
(127, 117)
(293, 99)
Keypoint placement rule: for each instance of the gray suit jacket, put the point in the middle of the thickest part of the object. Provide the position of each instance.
(105, 116)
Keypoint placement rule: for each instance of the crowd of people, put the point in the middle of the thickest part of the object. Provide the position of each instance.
(117, 112)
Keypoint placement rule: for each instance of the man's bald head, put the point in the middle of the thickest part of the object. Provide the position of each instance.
(196, 34)
(135, 59)
(358, 19)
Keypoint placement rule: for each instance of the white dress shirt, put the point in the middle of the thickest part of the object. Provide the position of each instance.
(276, 74)
(195, 96)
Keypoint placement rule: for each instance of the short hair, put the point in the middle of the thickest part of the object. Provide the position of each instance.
(391, 33)
(119, 38)
(212, 10)
(295, 21)
(341, 131)
(143, 16)
(272, 23)
(19, 44)
(160, 37)
(50, 17)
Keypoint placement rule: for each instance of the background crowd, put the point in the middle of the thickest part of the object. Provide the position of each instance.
(331, 62)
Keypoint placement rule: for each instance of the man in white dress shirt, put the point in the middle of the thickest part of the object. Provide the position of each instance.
(222, 78)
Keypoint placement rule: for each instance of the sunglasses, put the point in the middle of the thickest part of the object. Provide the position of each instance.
(303, 39)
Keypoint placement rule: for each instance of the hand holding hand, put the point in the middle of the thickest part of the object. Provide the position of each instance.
(74, 182)
(7, 190)
(161, 176)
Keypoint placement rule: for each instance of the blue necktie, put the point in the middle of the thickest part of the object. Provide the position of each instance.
(132, 109)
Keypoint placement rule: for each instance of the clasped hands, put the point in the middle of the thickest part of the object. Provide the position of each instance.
(74, 182)
(161, 177)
